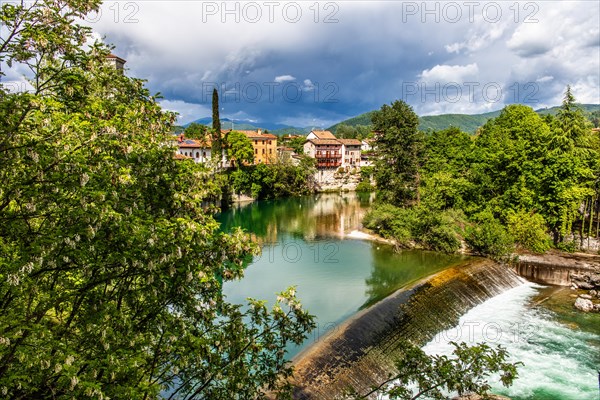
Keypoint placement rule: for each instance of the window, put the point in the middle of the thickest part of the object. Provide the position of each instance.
(197, 154)
(263, 151)
(270, 151)
(255, 151)
(204, 154)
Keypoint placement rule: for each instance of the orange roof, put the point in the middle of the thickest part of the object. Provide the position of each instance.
(256, 135)
(350, 142)
(178, 156)
(324, 134)
(112, 56)
(191, 143)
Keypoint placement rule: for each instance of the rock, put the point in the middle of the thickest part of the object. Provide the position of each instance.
(585, 296)
(584, 285)
(597, 307)
(594, 279)
(593, 293)
(584, 305)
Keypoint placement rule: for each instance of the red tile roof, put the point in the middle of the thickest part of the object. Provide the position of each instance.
(191, 143)
(324, 134)
(350, 142)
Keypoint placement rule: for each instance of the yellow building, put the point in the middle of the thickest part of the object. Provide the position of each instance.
(265, 146)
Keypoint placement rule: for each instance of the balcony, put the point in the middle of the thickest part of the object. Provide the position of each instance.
(334, 164)
(328, 155)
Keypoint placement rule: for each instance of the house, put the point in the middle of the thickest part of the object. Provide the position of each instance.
(320, 135)
(367, 144)
(327, 152)
(198, 150)
(264, 144)
(350, 152)
(285, 153)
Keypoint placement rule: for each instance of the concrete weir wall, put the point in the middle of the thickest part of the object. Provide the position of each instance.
(555, 269)
(361, 353)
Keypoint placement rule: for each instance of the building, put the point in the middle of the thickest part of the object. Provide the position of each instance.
(116, 62)
(264, 144)
(327, 152)
(320, 135)
(199, 151)
(351, 151)
(367, 144)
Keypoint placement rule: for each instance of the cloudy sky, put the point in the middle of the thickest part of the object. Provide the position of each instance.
(310, 63)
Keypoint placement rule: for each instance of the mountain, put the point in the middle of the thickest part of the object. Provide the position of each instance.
(245, 125)
(466, 122)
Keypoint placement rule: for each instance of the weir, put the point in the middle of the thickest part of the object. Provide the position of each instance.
(555, 269)
(361, 352)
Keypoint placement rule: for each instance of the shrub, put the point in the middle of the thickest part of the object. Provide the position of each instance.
(568, 246)
(489, 237)
(529, 230)
(439, 230)
(364, 186)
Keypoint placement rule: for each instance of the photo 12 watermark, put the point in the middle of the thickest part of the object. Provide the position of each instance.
(471, 92)
(295, 252)
(453, 12)
(489, 332)
(271, 92)
(254, 12)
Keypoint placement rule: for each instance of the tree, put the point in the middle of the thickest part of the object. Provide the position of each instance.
(568, 177)
(399, 153)
(110, 269)
(217, 140)
(239, 148)
(196, 131)
(421, 375)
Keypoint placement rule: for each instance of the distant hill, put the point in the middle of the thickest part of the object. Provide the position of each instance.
(466, 122)
(272, 127)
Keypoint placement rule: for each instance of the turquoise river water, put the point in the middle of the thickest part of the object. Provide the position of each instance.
(309, 243)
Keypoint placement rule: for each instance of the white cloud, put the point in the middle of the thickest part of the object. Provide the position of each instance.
(188, 112)
(308, 85)
(284, 78)
(450, 73)
(545, 78)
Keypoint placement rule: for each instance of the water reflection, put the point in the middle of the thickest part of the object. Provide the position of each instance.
(303, 246)
(327, 215)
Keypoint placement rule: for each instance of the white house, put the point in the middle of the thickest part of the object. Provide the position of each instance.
(350, 152)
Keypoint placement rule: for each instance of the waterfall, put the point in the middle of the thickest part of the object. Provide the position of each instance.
(360, 353)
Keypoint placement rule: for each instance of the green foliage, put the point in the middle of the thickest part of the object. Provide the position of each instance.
(297, 144)
(344, 131)
(239, 148)
(439, 231)
(111, 270)
(217, 140)
(196, 131)
(269, 181)
(400, 153)
(364, 186)
(489, 237)
(467, 371)
(528, 230)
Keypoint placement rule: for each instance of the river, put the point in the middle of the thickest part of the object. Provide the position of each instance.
(305, 243)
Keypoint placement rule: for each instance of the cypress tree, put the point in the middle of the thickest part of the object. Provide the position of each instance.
(217, 144)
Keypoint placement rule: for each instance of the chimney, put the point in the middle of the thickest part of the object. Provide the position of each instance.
(259, 131)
